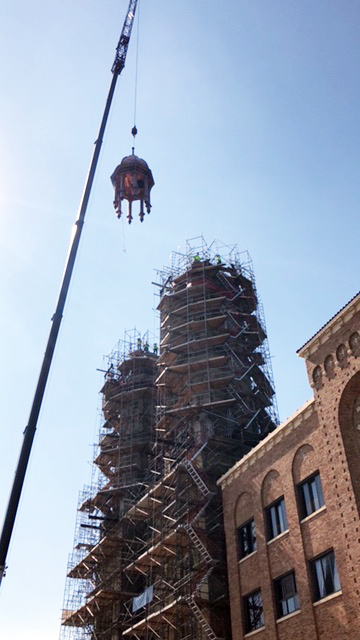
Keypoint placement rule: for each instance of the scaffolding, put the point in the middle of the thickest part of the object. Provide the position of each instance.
(104, 539)
(158, 569)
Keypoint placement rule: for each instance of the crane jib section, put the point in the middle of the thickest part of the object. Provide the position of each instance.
(121, 49)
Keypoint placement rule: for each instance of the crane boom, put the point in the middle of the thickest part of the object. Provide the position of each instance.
(30, 430)
(121, 49)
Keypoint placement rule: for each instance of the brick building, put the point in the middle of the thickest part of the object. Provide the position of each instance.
(291, 505)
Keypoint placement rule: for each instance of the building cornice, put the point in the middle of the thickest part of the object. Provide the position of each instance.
(330, 328)
(268, 443)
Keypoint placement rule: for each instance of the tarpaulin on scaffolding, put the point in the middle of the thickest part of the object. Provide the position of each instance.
(143, 599)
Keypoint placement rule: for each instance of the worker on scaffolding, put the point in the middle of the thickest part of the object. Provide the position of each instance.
(146, 347)
(139, 343)
(197, 257)
(218, 259)
(110, 373)
(155, 349)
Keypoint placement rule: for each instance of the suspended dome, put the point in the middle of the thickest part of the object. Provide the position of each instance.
(132, 180)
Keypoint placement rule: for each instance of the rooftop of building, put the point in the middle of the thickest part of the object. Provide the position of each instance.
(332, 326)
(268, 443)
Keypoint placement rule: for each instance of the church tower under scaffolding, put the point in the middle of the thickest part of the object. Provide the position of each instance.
(149, 558)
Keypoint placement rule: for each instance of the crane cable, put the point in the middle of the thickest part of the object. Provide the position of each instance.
(134, 129)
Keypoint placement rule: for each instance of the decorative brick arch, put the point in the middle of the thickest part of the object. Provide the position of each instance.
(244, 509)
(350, 432)
(272, 488)
(304, 463)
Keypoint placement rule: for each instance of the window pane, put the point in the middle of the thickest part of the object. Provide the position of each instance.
(276, 519)
(286, 595)
(247, 539)
(337, 585)
(307, 499)
(311, 495)
(288, 586)
(253, 535)
(328, 571)
(254, 613)
(320, 578)
(293, 602)
(326, 575)
(283, 518)
(319, 492)
(257, 610)
(243, 542)
(274, 523)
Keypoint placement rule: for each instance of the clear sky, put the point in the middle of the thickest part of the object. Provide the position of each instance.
(248, 115)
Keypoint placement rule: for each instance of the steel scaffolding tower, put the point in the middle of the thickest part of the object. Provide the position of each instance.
(160, 569)
(104, 539)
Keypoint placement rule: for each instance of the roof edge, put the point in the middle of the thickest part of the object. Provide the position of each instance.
(331, 326)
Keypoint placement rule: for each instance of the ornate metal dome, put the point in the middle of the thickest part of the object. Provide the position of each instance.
(132, 180)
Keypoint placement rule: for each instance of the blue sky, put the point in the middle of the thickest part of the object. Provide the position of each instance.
(248, 115)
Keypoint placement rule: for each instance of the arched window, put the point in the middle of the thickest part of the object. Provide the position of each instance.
(329, 366)
(354, 342)
(245, 525)
(341, 355)
(349, 419)
(273, 500)
(317, 377)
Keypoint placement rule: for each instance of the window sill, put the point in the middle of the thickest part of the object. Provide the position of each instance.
(314, 513)
(252, 633)
(327, 598)
(248, 556)
(283, 533)
(289, 615)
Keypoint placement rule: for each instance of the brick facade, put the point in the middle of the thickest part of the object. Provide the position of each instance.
(323, 436)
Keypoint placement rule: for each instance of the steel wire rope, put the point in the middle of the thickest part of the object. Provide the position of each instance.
(134, 129)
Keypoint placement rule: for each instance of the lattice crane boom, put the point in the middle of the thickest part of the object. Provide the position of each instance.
(30, 430)
(121, 49)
